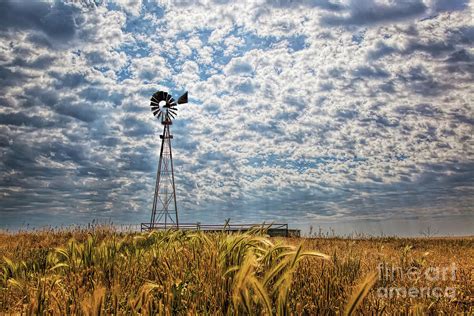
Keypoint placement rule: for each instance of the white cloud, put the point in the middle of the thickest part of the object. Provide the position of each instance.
(132, 7)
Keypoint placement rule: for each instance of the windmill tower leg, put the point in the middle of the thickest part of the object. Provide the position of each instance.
(164, 213)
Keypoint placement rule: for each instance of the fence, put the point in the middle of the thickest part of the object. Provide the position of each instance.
(272, 229)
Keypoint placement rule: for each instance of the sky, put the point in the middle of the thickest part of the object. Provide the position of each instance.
(352, 116)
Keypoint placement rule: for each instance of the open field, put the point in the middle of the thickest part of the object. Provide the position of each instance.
(99, 271)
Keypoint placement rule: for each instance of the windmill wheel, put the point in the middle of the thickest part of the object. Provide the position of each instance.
(163, 106)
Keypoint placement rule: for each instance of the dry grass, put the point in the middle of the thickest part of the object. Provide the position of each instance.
(100, 271)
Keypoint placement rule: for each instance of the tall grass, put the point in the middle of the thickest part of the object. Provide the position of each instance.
(103, 272)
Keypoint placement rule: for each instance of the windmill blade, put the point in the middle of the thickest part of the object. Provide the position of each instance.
(154, 108)
(156, 112)
(171, 102)
(171, 114)
(183, 99)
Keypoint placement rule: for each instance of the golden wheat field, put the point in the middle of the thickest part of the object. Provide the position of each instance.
(100, 271)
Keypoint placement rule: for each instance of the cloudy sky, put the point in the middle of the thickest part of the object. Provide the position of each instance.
(355, 115)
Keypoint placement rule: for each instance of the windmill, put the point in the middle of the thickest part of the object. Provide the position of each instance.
(164, 213)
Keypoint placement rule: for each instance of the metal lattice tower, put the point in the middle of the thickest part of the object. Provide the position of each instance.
(164, 213)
